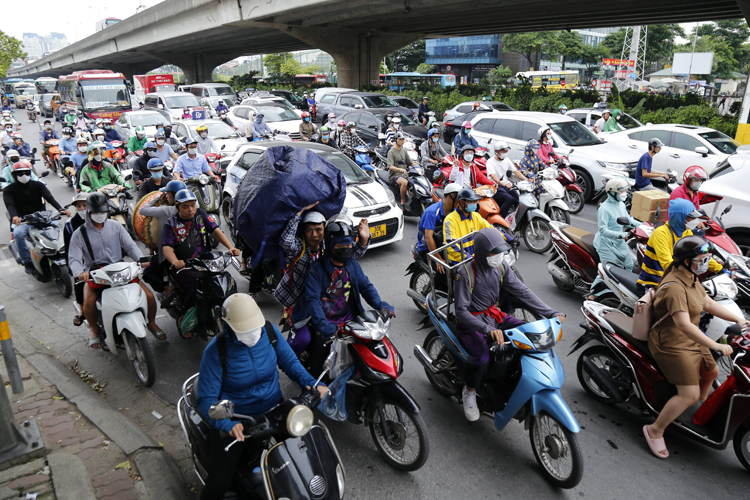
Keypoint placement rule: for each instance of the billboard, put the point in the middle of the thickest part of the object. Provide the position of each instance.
(692, 63)
(618, 62)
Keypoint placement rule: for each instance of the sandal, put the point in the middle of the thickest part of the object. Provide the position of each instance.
(244, 271)
(186, 336)
(658, 447)
(78, 319)
(159, 333)
(95, 340)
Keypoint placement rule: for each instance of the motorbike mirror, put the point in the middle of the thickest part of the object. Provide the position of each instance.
(223, 146)
(571, 152)
(128, 177)
(85, 183)
(623, 221)
(45, 173)
(509, 173)
(221, 410)
(33, 151)
(726, 210)
(327, 367)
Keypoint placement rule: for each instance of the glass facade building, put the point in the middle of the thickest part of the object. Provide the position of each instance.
(464, 50)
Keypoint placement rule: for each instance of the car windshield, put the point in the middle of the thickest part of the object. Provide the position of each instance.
(221, 91)
(378, 101)
(276, 113)
(404, 120)
(722, 142)
(352, 173)
(146, 119)
(212, 101)
(47, 97)
(181, 101)
(216, 130)
(627, 122)
(573, 133)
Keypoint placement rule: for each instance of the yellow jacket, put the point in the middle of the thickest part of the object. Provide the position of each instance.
(457, 225)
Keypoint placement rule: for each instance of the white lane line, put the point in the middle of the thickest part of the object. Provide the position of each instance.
(583, 219)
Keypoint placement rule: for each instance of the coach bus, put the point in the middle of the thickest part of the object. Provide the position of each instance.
(397, 81)
(310, 79)
(98, 93)
(555, 80)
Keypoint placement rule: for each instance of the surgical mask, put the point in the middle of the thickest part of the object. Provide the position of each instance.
(339, 128)
(107, 127)
(563, 111)
(140, 135)
(435, 139)
(353, 131)
(307, 119)
(192, 151)
(702, 265)
(696, 185)
(97, 157)
(325, 137)
(249, 338)
(467, 131)
(624, 196)
(81, 213)
(100, 138)
(9, 130)
(151, 154)
(66, 136)
(495, 260)
(48, 127)
(468, 156)
(342, 254)
(99, 218)
(82, 149)
(472, 207)
(23, 179)
(692, 224)
(160, 142)
(503, 156)
(204, 135)
(157, 175)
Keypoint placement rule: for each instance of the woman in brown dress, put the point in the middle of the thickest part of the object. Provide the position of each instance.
(680, 348)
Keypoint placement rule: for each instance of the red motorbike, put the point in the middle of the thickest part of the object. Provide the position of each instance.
(623, 370)
(118, 156)
(573, 192)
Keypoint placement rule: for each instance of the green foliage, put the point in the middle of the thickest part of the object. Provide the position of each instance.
(499, 75)
(704, 116)
(274, 61)
(591, 57)
(425, 69)
(407, 58)
(312, 69)
(289, 68)
(241, 82)
(534, 42)
(10, 49)
(735, 107)
(572, 46)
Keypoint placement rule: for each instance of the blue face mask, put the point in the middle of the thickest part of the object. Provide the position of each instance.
(157, 175)
(107, 127)
(325, 137)
(435, 139)
(472, 207)
(307, 119)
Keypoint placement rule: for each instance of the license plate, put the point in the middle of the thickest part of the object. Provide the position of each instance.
(377, 231)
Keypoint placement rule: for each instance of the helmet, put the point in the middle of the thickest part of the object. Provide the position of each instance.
(655, 143)
(607, 111)
(341, 123)
(542, 132)
(466, 125)
(339, 227)
(17, 135)
(694, 172)
(154, 163)
(241, 313)
(67, 130)
(80, 197)
(190, 141)
(396, 119)
(167, 125)
(160, 123)
(562, 106)
(468, 195)
(96, 145)
(616, 185)
(305, 114)
(79, 113)
(202, 128)
(453, 187)
(424, 98)
(82, 140)
(140, 131)
(173, 186)
(476, 104)
(500, 146)
(149, 145)
(324, 129)
(616, 112)
(433, 131)
(313, 217)
(97, 202)
(184, 195)
(389, 116)
(159, 134)
(107, 121)
(99, 132)
(351, 124)
(13, 153)
(331, 115)
(98, 121)
(688, 247)
(399, 135)
(21, 166)
(467, 147)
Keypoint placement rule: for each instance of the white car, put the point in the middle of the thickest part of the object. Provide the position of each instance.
(277, 116)
(684, 146)
(268, 99)
(148, 119)
(365, 198)
(589, 116)
(222, 134)
(468, 106)
(589, 156)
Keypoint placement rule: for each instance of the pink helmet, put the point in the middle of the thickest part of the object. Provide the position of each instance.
(466, 124)
(341, 123)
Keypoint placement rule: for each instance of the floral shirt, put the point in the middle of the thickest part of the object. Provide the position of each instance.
(176, 231)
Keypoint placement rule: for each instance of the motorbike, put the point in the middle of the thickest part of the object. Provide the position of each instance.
(54, 155)
(46, 244)
(551, 201)
(215, 285)
(527, 219)
(207, 189)
(523, 382)
(118, 157)
(68, 171)
(419, 194)
(275, 136)
(299, 460)
(123, 310)
(31, 113)
(622, 370)
(431, 120)
(573, 197)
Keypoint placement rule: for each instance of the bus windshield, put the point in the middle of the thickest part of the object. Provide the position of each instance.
(47, 86)
(104, 94)
(31, 90)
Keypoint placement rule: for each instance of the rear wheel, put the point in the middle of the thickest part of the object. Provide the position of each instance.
(743, 242)
(143, 361)
(536, 235)
(742, 446)
(63, 280)
(436, 350)
(559, 215)
(408, 445)
(420, 283)
(574, 200)
(227, 211)
(556, 450)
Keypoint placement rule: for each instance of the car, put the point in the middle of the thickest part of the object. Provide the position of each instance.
(201, 90)
(344, 102)
(365, 198)
(265, 98)
(225, 137)
(405, 102)
(48, 104)
(371, 122)
(290, 96)
(589, 116)
(170, 104)
(468, 106)
(210, 104)
(589, 155)
(277, 116)
(684, 145)
(126, 124)
(453, 126)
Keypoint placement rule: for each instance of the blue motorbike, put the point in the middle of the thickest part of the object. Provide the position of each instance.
(523, 381)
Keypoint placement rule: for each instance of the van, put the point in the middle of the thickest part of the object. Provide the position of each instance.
(170, 104)
(202, 90)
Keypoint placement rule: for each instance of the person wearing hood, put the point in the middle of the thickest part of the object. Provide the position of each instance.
(260, 127)
(531, 165)
(610, 239)
(463, 138)
(140, 165)
(331, 122)
(477, 290)
(79, 203)
(98, 243)
(683, 218)
(98, 172)
(110, 134)
(221, 107)
(249, 377)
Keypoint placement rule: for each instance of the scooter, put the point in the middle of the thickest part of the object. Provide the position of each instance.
(207, 189)
(46, 244)
(299, 460)
(431, 120)
(551, 201)
(622, 370)
(573, 192)
(54, 155)
(488, 207)
(119, 210)
(523, 382)
(123, 310)
(418, 191)
(527, 219)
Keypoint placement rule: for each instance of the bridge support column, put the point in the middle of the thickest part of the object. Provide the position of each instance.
(357, 53)
(198, 68)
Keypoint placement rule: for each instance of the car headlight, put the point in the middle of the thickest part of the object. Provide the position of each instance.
(614, 166)
(391, 198)
(299, 421)
(120, 277)
(340, 480)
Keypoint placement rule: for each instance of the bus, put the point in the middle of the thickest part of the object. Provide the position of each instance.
(310, 79)
(46, 85)
(22, 92)
(555, 80)
(105, 23)
(98, 93)
(7, 87)
(397, 81)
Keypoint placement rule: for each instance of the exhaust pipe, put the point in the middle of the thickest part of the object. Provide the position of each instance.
(423, 358)
(602, 380)
(415, 295)
(560, 274)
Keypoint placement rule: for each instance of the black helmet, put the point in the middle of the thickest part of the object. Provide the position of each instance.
(688, 247)
(468, 195)
(97, 202)
(338, 227)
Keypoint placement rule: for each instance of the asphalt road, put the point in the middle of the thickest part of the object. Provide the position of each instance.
(467, 460)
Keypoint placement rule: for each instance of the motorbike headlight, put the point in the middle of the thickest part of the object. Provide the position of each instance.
(120, 277)
(722, 289)
(409, 146)
(112, 193)
(614, 166)
(542, 341)
(340, 480)
(216, 265)
(203, 179)
(525, 186)
(418, 170)
(299, 421)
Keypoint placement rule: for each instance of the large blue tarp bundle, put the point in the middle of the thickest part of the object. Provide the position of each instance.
(281, 183)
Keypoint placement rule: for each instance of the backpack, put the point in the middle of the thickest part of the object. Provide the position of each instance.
(221, 345)
(643, 316)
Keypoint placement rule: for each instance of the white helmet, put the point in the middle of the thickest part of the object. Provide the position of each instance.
(241, 313)
(616, 185)
(453, 187)
(500, 145)
(542, 130)
(99, 132)
(313, 217)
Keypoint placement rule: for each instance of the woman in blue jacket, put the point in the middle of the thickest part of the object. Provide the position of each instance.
(251, 382)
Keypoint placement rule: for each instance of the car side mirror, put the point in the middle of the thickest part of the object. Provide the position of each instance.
(221, 410)
(45, 173)
(702, 150)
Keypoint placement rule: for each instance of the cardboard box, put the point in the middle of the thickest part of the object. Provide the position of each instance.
(651, 199)
(644, 215)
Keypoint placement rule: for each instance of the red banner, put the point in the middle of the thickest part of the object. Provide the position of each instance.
(618, 62)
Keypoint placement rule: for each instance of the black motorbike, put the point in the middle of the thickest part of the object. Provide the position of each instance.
(300, 460)
(418, 193)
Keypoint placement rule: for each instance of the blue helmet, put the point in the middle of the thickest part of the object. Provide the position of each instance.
(159, 134)
(149, 145)
(173, 186)
(184, 195)
(432, 131)
(154, 163)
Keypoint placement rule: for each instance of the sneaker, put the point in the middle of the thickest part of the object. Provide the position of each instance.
(29, 268)
(471, 410)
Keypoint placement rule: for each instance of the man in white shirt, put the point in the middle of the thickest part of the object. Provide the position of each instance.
(497, 166)
(602, 122)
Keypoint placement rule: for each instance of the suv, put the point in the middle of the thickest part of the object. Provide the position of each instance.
(201, 90)
(344, 102)
(589, 156)
(170, 104)
(290, 96)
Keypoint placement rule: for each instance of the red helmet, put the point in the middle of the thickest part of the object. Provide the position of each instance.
(305, 114)
(694, 172)
(17, 135)
(23, 165)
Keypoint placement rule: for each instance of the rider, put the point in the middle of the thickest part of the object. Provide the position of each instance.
(186, 114)
(191, 164)
(546, 151)
(643, 174)
(306, 128)
(172, 140)
(331, 123)
(140, 165)
(531, 165)
(24, 197)
(350, 140)
(47, 134)
(464, 137)
(205, 143)
(80, 124)
(465, 172)
(12, 158)
(221, 107)
(110, 133)
(81, 154)
(325, 137)
(311, 103)
(601, 123)
(398, 160)
(392, 130)
(477, 290)
(7, 136)
(157, 178)
(431, 151)
(260, 127)
(249, 377)
(29, 108)
(6, 106)
(69, 118)
(497, 170)
(9, 120)
(562, 109)
(332, 290)
(610, 239)
(23, 147)
(99, 172)
(79, 203)
(683, 218)
(185, 236)
(465, 219)
(340, 126)
(677, 344)
(423, 110)
(68, 142)
(136, 142)
(430, 230)
(692, 180)
(163, 150)
(98, 243)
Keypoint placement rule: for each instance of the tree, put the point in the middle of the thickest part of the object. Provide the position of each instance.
(499, 75)
(290, 67)
(734, 33)
(274, 61)
(572, 46)
(531, 45)
(591, 57)
(241, 82)
(10, 50)
(660, 42)
(312, 69)
(407, 58)
(425, 69)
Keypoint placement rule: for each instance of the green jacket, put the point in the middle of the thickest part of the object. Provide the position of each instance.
(135, 144)
(108, 175)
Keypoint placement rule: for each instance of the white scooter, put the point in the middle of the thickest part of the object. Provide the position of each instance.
(551, 201)
(123, 310)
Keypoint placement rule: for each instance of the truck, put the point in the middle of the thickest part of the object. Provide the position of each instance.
(146, 84)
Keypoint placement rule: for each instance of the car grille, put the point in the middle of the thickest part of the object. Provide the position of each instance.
(295, 136)
(391, 228)
(372, 212)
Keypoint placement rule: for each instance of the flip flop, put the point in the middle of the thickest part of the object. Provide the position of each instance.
(78, 319)
(95, 340)
(656, 445)
(159, 334)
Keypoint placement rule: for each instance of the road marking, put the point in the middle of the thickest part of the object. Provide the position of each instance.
(583, 219)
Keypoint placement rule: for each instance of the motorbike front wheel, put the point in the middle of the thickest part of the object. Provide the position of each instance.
(536, 235)
(604, 359)
(420, 283)
(408, 446)
(437, 351)
(143, 363)
(559, 215)
(556, 450)
(574, 200)
(63, 280)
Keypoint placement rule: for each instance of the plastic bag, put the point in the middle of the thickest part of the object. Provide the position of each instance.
(333, 406)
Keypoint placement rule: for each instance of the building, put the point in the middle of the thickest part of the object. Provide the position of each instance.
(36, 45)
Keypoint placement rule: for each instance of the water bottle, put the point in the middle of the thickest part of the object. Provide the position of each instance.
(723, 340)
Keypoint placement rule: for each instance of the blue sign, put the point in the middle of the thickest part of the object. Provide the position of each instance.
(199, 114)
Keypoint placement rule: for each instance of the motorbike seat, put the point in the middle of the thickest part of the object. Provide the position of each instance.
(583, 239)
(623, 326)
(628, 279)
(383, 175)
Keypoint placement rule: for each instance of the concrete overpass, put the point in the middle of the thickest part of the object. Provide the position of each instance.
(198, 35)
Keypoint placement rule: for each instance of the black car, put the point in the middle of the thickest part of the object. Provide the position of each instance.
(372, 122)
(290, 96)
(344, 102)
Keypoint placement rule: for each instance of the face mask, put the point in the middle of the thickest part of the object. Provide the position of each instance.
(325, 137)
(339, 128)
(696, 185)
(342, 254)
(702, 265)
(495, 260)
(624, 196)
(97, 157)
(139, 135)
(472, 207)
(160, 142)
(107, 127)
(192, 151)
(353, 131)
(159, 128)
(435, 139)
(307, 119)
(100, 138)
(204, 135)
(564, 111)
(468, 157)
(48, 127)
(249, 338)
(82, 213)
(151, 154)
(467, 132)
(8, 130)
(503, 155)
(157, 175)
(23, 179)
(549, 135)
(82, 149)
(99, 218)
(692, 224)
(66, 136)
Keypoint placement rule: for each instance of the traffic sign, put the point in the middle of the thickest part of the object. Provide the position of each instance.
(593, 82)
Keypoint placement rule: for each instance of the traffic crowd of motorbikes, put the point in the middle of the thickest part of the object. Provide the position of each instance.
(664, 299)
